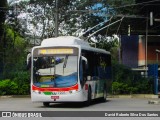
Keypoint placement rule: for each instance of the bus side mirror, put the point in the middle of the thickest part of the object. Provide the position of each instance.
(88, 78)
(28, 62)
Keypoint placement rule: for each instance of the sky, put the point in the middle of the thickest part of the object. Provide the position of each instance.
(17, 1)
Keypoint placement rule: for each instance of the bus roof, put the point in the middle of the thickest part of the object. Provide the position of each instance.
(70, 40)
(64, 40)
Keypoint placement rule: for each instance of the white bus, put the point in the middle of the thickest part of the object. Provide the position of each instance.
(68, 69)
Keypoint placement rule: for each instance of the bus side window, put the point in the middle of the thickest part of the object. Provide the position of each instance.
(84, 67)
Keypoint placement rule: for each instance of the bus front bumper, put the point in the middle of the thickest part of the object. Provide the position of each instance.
(73, 97)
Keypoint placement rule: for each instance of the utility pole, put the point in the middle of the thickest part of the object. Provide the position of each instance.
(146, 49)
(56, 18)
(157, 52)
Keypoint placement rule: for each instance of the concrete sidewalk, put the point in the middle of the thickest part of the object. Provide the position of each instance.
(135, 96)
(154, 99)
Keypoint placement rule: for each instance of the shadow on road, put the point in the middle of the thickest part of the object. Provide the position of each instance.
(73, 104)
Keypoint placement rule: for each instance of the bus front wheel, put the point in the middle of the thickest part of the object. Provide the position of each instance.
(89, 98)
(46, 104)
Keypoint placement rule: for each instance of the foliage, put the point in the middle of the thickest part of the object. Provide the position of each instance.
(127, 81)
(123, 88)
(15, 78)
(18, 84)
(12, 54)
(8, 87)
(109, 44)
(145, 85)
(75, 17)
(123, 6)
(23, 82)
(3, 11)
(15, 54)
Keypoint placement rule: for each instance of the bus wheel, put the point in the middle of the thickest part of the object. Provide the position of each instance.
(46, 104)
(89, 99)
(104, 95)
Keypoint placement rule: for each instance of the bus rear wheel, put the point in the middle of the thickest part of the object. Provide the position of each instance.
(104, 95)
(46, 104)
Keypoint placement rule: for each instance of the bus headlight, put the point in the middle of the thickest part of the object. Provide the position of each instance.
(37, 92)
(72, 91)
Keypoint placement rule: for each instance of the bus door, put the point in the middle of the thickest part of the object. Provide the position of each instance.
(83, 70)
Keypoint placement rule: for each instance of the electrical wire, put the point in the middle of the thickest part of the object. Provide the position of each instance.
(119, 25)
(136, 4)
(102, 23)
(109, 23)
(104, 28)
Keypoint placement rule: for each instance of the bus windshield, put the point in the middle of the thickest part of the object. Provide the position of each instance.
(55, 70)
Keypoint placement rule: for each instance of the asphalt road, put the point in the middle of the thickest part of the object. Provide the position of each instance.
(112, 104)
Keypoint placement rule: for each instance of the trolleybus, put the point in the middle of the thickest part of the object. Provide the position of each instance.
(68, 69)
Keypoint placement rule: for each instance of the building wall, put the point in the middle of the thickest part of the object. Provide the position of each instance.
(153, 44)
(129, 50)
(141, 51)
(133, 50)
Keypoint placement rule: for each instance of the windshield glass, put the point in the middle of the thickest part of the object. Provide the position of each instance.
(55, 70)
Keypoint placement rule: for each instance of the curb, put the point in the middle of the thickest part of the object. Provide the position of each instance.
(148, 96)
(15, 96)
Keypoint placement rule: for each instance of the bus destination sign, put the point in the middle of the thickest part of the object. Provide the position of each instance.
(55, 51)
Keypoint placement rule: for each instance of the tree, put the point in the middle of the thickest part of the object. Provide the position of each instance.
(14, 57)
(3, 11)
(12, 44)
(123, 7)
(75, 17)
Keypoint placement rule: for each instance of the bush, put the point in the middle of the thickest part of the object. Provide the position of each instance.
(19, 84)
(126, 81)
(8, 87)
(145, 85)
(116, 87)
(23, 82)
(122, 88)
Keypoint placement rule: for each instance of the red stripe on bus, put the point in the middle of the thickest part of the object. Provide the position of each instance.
(75, 87)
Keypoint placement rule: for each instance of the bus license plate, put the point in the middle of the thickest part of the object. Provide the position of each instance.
(54, 97)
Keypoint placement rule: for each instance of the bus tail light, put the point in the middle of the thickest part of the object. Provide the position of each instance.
(86, 86)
